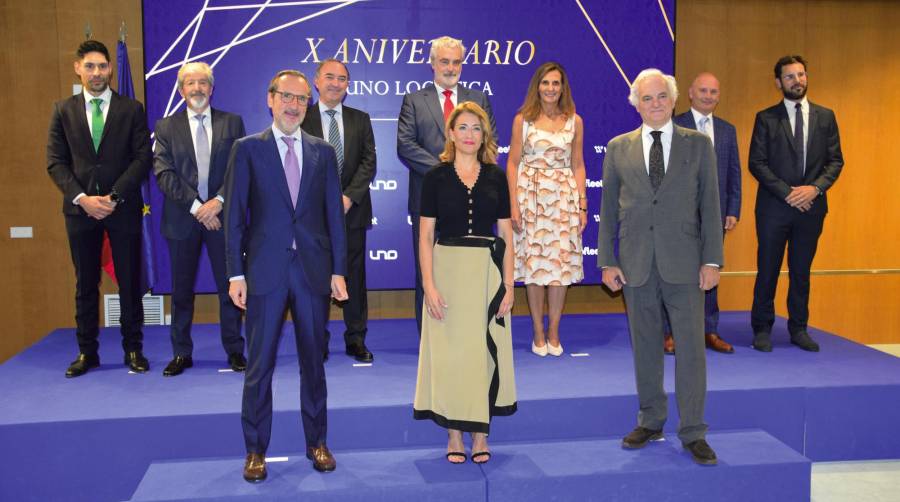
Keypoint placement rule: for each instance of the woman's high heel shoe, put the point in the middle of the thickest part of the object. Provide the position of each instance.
(553, 351)
(540, 351)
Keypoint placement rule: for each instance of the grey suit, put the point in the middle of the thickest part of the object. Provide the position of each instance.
(420, 139)
(663, 238)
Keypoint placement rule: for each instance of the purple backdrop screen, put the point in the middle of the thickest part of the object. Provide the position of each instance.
(385, 44)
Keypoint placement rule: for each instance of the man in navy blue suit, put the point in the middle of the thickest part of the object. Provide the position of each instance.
(704, 95)
(285, 249)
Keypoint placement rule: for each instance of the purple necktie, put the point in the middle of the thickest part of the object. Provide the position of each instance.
(292, 169)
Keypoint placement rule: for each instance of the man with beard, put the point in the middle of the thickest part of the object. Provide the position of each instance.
(285, 249)
(190, 157)
(420, 130)
(98, 154)
(795, 154)
(349, 131)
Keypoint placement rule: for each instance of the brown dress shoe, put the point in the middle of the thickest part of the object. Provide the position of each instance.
(713, 341)
(255, 467)
(323, 460)
(669, 344)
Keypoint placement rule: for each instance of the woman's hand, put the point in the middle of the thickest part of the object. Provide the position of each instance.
(506, 304)
(582, 218)
(515, 216)
(434, 303)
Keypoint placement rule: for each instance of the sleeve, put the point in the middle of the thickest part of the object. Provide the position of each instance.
(59, 158)
(365, 171)
(503, 211)
(141, 155)
(428, 206)
(835, 162)
(410, 152)
(168, 180)
(759, 162)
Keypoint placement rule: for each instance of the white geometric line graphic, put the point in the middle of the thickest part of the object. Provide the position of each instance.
(252, 37)
(283, 4)
(177, 39)
(666, 17)
(608, 51)
(199, 22)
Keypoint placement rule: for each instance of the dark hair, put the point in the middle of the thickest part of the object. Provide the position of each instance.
(273, 84)
(531, 109)
(91, 46)
(786, 60)
(332, 60)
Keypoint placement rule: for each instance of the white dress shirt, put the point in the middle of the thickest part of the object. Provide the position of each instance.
(792, 113)
(665, 138)
(326, 120)
(207, 124)
(710, 131)
(453, 97)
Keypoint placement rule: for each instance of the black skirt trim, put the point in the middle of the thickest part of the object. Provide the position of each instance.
(459, 425)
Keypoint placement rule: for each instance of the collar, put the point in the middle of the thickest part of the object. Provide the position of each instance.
(698, 116)
(440, 90)
(791, 105)
(666, 129)
(339, 109)
(106, 96)
(206, 113)
(278, 134)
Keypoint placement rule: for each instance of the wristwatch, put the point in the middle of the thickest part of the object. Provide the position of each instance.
(115, 197)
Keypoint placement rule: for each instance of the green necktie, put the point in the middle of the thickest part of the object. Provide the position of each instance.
(96, 123)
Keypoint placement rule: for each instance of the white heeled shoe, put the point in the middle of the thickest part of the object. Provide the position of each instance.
(540, 351)
(553, 351)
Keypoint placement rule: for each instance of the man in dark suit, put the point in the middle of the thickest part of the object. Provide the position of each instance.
(661, 203)
(285, 248)
(704, 95)
(420, 130)
(795, 154)
(349, 131)
(191, 154)
(98, 153)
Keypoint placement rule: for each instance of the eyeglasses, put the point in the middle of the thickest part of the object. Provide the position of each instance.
(288, 98)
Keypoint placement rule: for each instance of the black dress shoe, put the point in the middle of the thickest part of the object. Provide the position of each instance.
(701, 451)
(802, 340)
(639, 437)
(762, 341)
(359, 352)
(136, 362)
(237, 361)
(176, 366)
(82, 364)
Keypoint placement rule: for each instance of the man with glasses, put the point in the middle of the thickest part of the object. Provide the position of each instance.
(285, 248)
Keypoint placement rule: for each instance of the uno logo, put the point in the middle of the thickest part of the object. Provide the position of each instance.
(383, 254)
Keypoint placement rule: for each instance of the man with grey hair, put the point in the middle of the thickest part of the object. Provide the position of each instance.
(661, 205)
(420, 130)
(190, 158)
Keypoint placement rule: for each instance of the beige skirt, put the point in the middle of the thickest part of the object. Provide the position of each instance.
(465, 374)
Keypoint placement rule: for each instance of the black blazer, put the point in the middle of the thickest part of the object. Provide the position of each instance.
(359, 159)
(772, 158)
(122, 162)
(175, 166)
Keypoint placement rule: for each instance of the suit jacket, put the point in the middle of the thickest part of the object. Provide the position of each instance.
(359, 159)
(175, 166)
(727, 161)
(772, 158)
(261, 223)
(420, 133)
(680, 224)
(121, 163)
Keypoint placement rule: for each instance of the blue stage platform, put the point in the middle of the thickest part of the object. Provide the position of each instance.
(115, 436)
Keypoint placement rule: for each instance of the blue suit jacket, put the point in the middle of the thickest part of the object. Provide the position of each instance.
(261, 223)
(727, 160)
(175, 166)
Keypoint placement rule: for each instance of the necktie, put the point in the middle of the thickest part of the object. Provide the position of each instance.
(291, 169)
(201, 149)
(334, 137)
(448, 104)
(798, 139)
(96, 123)
(657, 169)
(704, 126)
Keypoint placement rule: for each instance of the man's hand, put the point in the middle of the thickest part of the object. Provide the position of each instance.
(339, 288)
(97, 207)
(613, 278)
(709, 277)
(208, 214)
(802, 197)
(237, 290)
(348, 203)
(730, 222)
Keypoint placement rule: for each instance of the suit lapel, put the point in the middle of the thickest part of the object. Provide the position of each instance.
(308, 167)
(115, 106)
(786, 125)
(273, 158)
(635, 157)
(349, 132)
(431, 102)
(810, 129)
(314, 116)
(82, 119)
(218, 132)
(183, 131)
(676, 157)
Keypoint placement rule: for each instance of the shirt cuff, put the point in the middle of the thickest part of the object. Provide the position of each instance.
(195, 206)
(77, 197)
(712, 265)
(236, 278)
(220, 199)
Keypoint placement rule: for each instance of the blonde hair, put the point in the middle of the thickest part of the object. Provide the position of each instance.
(195, 67)
(487, 152)
(531, 108)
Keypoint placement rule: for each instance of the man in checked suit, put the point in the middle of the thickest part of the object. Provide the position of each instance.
(98, 154)
(350, 133)
(420, 130)
(191, 155)
(795, 154)
(661, 203)
(285, 249)
(704, 95)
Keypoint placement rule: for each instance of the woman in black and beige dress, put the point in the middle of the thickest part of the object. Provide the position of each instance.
(465, 372)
